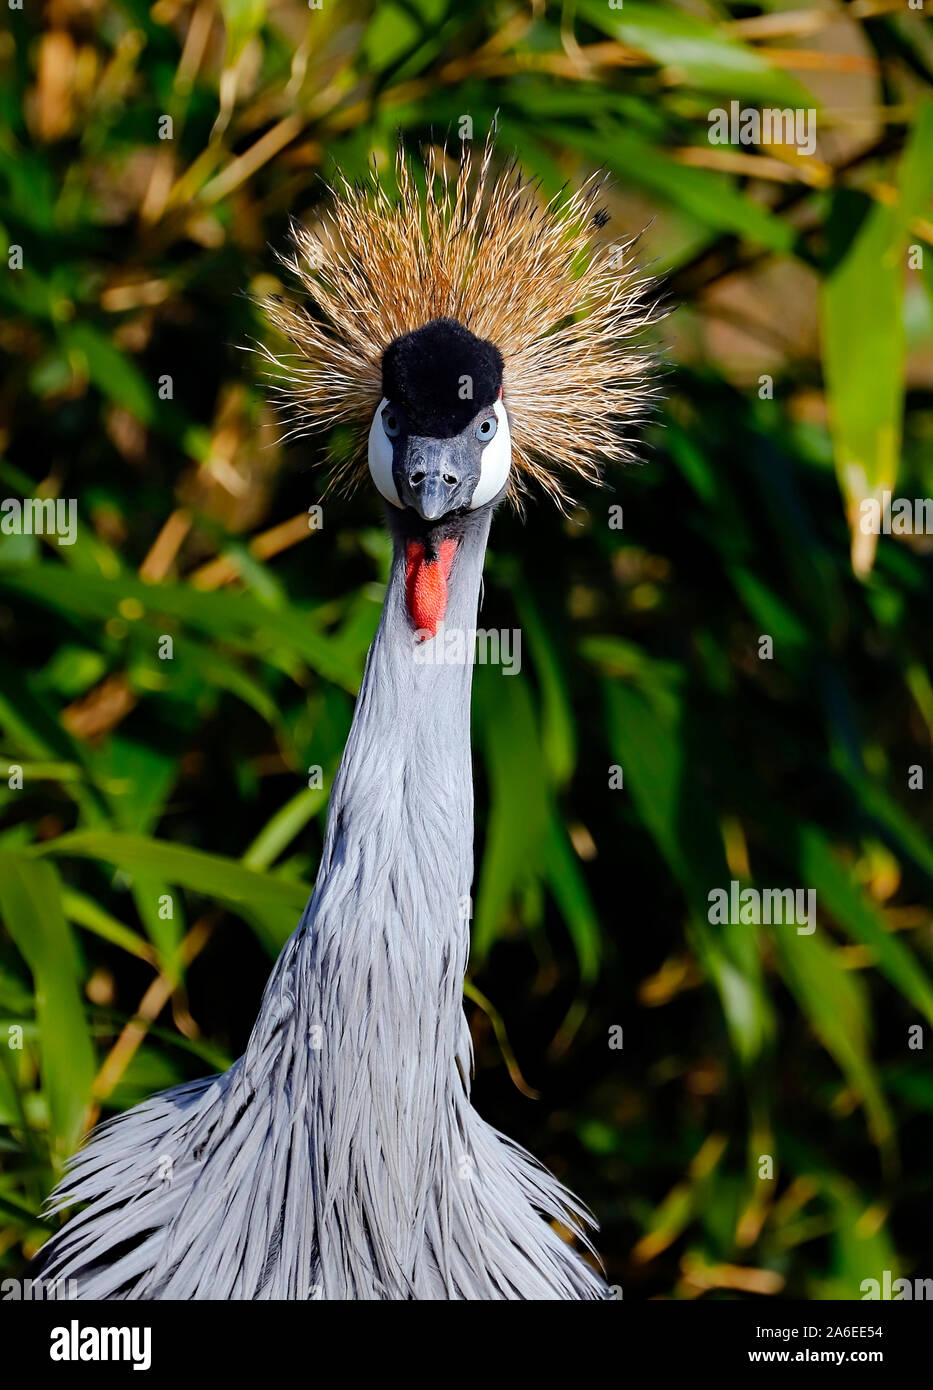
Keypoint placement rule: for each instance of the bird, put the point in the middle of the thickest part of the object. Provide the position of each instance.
(479, 340)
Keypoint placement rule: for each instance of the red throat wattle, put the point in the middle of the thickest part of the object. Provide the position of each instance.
(426, 585)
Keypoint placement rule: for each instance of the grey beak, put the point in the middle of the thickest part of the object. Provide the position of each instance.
(433, 497)
(431, 479)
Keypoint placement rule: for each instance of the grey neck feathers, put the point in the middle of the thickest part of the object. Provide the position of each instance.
(403, 796)
(373, 976)
(383, 944)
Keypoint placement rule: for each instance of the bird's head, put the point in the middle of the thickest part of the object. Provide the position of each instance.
(486, 339)
(440, 450)
(439, 442)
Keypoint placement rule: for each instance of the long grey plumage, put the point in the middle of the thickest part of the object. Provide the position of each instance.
(340, 1157)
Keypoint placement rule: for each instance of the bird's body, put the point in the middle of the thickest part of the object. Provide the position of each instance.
(340, 1156)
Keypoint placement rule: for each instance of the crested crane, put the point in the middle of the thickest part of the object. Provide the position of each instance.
(477, 339)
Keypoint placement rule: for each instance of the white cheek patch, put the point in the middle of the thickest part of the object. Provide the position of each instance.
(380, 458)
(496, 462)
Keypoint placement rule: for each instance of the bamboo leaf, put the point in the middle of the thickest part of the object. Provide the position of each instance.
(863, 342)
(30, 901)
(272, 905)
(857, 915)
(517, 828)
(701, 55)
(834, 1002)
(712, 199)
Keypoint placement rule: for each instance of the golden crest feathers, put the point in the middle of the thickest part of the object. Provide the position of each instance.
(565, 309)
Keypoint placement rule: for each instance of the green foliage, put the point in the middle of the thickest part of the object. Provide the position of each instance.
(863, 321)
(177, 685)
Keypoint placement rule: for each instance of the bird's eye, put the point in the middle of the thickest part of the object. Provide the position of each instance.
(391, 424)
(487, 429)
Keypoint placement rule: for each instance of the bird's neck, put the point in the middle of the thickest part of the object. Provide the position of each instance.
(375, 968)
(401, 811)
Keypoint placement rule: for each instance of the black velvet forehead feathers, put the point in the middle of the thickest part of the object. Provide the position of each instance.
(441, 376)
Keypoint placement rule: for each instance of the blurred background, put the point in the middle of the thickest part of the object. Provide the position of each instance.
(160, 821)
